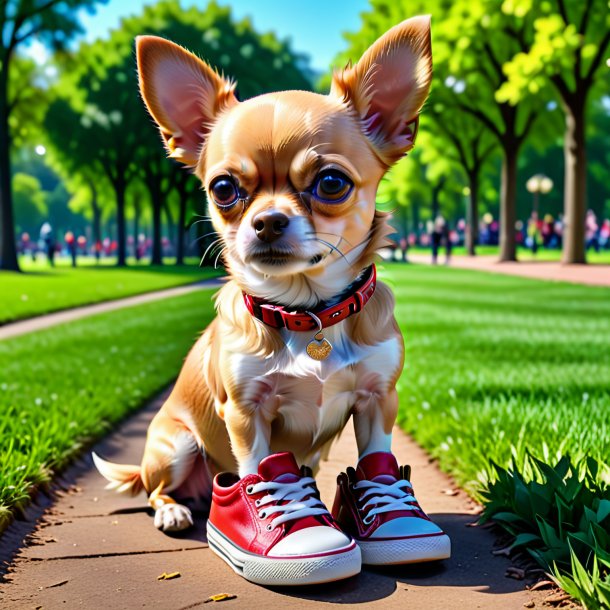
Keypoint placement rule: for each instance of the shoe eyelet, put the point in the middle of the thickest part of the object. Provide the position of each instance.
(368, 520)
(269, 527)
(257, 502)
(249, 489)
(262, 515)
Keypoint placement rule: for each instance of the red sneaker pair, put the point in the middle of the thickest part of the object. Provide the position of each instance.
(273, 529)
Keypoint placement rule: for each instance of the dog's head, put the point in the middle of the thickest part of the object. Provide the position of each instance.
(292, 176)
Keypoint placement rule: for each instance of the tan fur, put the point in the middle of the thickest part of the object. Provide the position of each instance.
(245, 390)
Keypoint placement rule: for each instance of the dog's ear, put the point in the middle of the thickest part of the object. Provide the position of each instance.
(182, 93)
(389, 85)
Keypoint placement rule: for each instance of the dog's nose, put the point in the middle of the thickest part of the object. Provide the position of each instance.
(269, 225)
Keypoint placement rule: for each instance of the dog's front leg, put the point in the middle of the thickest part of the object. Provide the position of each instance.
(375, 412)
(248, 414)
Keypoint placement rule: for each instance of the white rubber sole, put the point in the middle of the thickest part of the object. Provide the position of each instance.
(277, 571)
(405, 550)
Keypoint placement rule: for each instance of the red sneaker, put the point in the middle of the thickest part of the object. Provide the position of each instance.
(375, 504)
(273, 529)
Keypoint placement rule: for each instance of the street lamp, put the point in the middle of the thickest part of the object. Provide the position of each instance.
(538, 184)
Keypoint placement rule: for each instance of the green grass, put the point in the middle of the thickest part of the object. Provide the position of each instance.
(65, 386)
(496, 365)
(523, 254)
(42, 289)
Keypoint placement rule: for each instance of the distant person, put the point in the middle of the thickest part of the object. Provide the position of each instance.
(46, 236)
(533, 233)
(604, 235)
(440, 236)
(591, 229)
(70, 240)
(404, 249)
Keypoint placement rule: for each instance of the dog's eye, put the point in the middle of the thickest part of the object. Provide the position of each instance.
(332, 186)
(224, 191)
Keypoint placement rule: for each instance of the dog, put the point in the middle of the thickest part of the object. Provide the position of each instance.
(305, 335)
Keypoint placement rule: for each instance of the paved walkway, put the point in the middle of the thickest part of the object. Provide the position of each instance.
(22, 327)
(592, 274)
(90, 548)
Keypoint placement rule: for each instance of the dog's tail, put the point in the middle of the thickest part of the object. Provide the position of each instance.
(122, 477)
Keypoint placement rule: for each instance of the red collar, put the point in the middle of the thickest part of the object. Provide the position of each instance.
(278, 317)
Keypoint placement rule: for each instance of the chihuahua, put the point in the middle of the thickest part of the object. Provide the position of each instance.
(305, 336)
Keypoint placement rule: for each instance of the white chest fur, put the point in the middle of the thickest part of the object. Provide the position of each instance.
(313, 398)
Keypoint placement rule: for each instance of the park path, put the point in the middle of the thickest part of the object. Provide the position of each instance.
(21, 327)
(592, 274)
(90, 548)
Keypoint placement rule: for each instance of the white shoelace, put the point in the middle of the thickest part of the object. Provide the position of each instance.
(296, 507)
(386, 497)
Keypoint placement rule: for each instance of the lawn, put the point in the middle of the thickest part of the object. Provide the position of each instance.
(62, 387)
(497, 364)
(41, 289)
(523, 254)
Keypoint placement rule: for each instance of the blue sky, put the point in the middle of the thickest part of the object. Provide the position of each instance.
(315, 27)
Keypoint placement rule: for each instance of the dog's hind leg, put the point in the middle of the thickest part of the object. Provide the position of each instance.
(173, 468)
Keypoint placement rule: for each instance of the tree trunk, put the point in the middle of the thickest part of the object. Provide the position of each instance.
(472, 214)
(97, 214)
(508, 195)
(171, 227)
(157, 250)
(8, 252)
(436, 191)
(181, 232)
(415, 220)
(119, 188)
(575, 185)
(136, 229)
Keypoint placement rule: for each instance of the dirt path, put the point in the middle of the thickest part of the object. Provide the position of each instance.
(90, 548)
(592, 275)
(13, 329)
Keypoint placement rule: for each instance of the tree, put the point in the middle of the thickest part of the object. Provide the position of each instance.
(73, 157)
(467, 142)
(30, 203)
(569, 50)
(53, 22)
(471, 41)
(477, 39)
(259, 63)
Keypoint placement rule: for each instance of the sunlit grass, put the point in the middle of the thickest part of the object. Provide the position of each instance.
(523, 254)
(42, 289)
(496, 364)
(65, 386)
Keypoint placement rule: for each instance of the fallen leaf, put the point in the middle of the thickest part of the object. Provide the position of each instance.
(472, 524)
(542, 584)
(451, 492)
(220, 597)
(170, 576)
(505, 552)
(57, 584)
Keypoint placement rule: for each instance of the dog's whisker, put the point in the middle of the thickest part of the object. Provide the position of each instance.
(333, 248)
(214, 243)
(219, 254)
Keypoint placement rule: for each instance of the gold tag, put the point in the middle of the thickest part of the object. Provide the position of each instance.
(319, 348)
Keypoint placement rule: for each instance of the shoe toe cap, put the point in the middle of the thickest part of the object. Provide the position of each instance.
(406, 526)
(319, 539)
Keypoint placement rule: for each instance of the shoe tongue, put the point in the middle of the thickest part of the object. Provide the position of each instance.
(381, 467)
(279, 465)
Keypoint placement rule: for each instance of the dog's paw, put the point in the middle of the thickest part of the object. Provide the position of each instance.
(173, 518)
